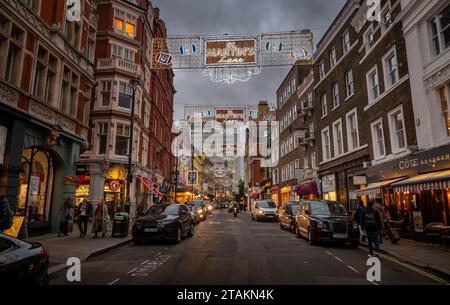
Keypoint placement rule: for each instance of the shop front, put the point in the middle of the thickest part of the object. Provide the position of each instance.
(37, 172)
(286, 194)
(275, 191)
(307, 190)
(415, 189)
(329, 187)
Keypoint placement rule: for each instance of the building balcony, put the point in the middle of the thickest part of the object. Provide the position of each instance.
(118, 64)
(310, 136)
(307, 106)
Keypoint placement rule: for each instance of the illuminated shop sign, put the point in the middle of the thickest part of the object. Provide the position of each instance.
(230, 52)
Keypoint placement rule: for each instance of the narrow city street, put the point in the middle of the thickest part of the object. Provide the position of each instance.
(237, 251)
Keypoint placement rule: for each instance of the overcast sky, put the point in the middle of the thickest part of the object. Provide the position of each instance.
(215, 17)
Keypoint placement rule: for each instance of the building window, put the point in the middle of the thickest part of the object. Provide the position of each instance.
(386, 17)
(445, 104)
(338, 138)
(390, 67)
(373, 86)
(346, 42)
(333, 57)
(352, 130)
(121, 52)
(147, 115)
(122, 139)
(105, 93)
(12, 40)
(102, 135)
(125, 95)
(397, 130)
(369, 39)
(324, 105)
(379, 149)
(72, 30)
(349, 85)
(313, 160)
(306, 163)
(326, 148)
(45, 75)
(69, 92)
(440, 31)
(335, 91)
(297, 164)
(321, 70)
(126, 26)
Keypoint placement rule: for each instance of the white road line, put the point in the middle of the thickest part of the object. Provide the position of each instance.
(113, 282)
(338, 259)
(375, 283)
(131, 271)
(329, 253)
(214, 223)
(353, 269)
(145, 262)
(277, 235)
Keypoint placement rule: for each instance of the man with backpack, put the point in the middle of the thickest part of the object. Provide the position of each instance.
(6, 215)
(371, 224)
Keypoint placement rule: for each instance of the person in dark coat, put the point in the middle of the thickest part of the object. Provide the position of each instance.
(357, 217)
(65, 216)
(371, 224)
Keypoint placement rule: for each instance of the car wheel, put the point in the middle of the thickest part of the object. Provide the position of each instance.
(281, 226)
(179, 234)
(297, 231)
(311, 239)
(137, 241)
(292, 228)
(191, 230)
(253, 218)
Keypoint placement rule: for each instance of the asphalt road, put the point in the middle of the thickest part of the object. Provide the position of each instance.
(237, 251)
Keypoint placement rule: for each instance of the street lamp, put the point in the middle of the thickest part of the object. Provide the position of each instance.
(176, 167)
(134, 83)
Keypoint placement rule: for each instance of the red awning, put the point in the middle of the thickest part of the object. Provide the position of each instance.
(149, 185)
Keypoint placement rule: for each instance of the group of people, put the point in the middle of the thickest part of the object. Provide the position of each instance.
(373, 222)
(83, 215)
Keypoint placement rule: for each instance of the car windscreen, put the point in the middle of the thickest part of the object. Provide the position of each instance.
(294, 208)
(267, 204)
(172, 209)
(327, 208)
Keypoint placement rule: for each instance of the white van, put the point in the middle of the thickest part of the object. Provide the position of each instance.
(264, 210)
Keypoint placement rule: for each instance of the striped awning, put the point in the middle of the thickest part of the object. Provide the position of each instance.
(374, 189)
(425, 182)
(150, 185)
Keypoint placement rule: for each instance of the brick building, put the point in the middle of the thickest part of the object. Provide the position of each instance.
(363, 98)
(46, 80)
(123, 55)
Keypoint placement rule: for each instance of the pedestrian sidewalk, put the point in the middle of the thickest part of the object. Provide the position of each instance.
(61, 248)
(419, 253)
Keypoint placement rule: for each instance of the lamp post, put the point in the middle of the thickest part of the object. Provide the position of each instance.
(176, 168)
(134, 83)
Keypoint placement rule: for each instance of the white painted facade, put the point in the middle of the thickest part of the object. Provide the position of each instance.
(429, 72)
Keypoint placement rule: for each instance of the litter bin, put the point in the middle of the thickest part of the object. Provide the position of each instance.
(121, 223)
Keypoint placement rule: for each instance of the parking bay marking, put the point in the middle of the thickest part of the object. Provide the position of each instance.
(113, 282)
(149, 266)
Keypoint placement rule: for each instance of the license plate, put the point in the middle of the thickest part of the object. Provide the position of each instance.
(270, 216)
(150, 230)
(335, 235)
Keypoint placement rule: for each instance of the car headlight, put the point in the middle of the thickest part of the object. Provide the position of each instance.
(260, 212)
(320, 225)
(209, 208)
(199, 211)
(355, 226)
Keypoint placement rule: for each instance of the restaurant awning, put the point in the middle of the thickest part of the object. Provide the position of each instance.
(149, 185)
(430, 181)
(375, 188)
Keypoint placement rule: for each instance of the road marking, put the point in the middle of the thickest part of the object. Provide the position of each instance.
(113, 282)
(408, 266)
(338, 259)
(375, 283)
(131, 271)
(329, 253)
(353, 269)
(277, 235)
(214, 223)
(145, 262)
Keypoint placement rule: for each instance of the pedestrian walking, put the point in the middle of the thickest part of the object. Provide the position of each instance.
(83, 216)
(386, 220)
(378, 206)
(357, 217)
(371, 224)
(101, 218)
(64, 216)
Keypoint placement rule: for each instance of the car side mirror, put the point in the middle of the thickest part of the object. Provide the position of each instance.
(306, 212)
(256, 206)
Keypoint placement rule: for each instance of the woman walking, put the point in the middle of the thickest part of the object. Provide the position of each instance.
(101, 218)
(65, 216)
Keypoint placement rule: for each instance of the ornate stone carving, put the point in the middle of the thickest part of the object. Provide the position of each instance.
(30, 17)
(42, 112)
(65, 123)
(437, 78)
(8, 95)
(71, 53)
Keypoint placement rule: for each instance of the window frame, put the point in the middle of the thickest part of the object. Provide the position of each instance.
(376, 141)
(386, 66)
(335, 95)
(324, 150)
(393, 132)
(370, 88)
(336, 137)
(352, 147)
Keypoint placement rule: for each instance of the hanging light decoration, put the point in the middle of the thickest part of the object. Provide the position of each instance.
(231, 75)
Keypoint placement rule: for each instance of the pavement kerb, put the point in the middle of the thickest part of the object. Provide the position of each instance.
(55, 270)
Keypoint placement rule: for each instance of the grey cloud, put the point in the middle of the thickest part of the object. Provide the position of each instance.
(211, 17)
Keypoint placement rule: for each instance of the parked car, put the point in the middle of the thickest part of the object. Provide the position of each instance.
(286, 215)
(322, 220)
(209, 207)
(200, 209)
(195, 218)
(163, 221)
(264, 210)
(22, 262)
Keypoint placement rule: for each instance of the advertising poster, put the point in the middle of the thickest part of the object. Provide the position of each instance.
(418, 221)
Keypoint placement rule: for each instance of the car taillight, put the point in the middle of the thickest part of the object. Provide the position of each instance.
(44, 254)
